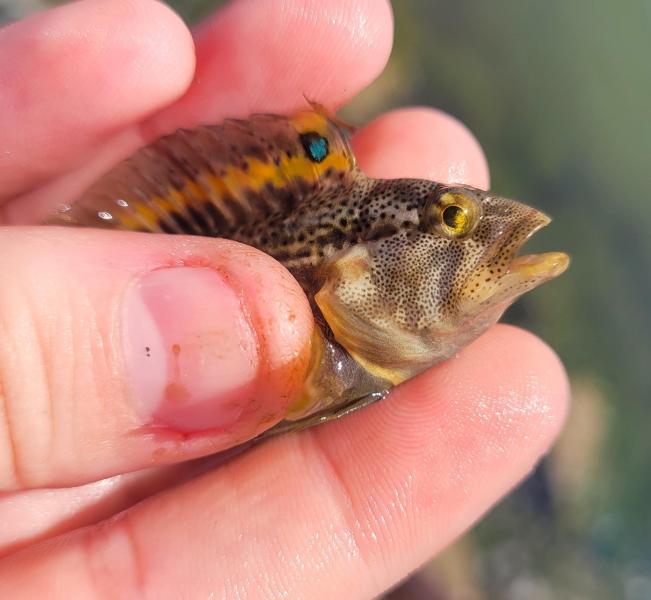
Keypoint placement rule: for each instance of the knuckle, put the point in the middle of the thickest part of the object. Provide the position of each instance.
(25, 426)
(58, 368)
(113, 556)
(346, 503)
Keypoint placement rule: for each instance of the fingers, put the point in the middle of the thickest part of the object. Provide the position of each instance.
(450, 443)
(354, 505)
(421, 142)
(33, 515)
(268, 55)
(253, 55)
(86, 69)
(123, 351)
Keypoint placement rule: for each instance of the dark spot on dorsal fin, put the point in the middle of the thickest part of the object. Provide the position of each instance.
(315, 145)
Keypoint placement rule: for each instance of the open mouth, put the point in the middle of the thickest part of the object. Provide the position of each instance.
(504, 274)
(541, 267)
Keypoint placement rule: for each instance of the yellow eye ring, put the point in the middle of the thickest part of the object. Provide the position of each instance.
(456, 214)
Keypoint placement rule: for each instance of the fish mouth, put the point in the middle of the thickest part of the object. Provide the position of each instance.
(543, 266)
(503, 274)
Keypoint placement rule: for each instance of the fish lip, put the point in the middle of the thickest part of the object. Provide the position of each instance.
(544, 265)
(531, 224)
(503, 275)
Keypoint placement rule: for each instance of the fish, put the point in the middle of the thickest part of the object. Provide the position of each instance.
(401, 274)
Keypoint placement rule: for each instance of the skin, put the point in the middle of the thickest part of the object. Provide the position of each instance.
(344, 509)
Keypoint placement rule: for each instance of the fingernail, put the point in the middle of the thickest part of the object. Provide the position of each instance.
(191, 353)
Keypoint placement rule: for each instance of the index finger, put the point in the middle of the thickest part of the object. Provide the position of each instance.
(268, 55)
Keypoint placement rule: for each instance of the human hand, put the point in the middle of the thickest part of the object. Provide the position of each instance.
(101, 496)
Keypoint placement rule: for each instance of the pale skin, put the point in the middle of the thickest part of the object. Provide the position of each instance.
(343, 510)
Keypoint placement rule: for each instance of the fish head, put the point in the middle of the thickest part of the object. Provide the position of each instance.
(419, 295)
(475, 238)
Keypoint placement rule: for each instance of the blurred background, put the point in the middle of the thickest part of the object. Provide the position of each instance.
(559, 95)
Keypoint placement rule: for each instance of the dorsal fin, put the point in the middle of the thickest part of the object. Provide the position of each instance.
(214, 179)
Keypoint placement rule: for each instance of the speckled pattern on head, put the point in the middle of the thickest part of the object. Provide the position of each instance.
(401, 273)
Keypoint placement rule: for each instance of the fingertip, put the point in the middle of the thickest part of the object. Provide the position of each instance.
(228, 326)
(91, 68)
(449, 442)
(537, 372)
(421, 142)
(280, 313)
(508, 388)
(268, 55)
(181, 346)
(167, 57)
(127, 56)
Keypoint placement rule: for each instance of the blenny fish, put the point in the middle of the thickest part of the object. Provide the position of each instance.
(401, 273)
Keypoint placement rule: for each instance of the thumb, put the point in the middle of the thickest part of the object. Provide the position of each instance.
(120, 351)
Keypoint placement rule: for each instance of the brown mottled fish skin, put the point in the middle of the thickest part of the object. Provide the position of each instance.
(401, 274)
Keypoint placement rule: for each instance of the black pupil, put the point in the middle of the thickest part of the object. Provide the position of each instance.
(452, 216)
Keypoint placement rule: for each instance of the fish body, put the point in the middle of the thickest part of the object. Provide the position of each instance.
(401, 274)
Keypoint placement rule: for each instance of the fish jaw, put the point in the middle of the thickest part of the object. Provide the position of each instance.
(502, 275)
(541, 267)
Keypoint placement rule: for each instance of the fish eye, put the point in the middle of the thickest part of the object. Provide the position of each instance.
(456, 214)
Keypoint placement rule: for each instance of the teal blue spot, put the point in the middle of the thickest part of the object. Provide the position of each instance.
(316, 146)
(319, 149)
